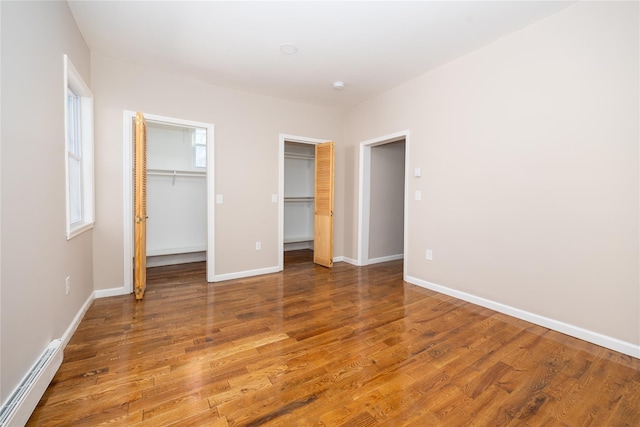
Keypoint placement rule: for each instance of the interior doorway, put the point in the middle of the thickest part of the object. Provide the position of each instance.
(382, 213)
(176, 194)
(202, 136)
(299, 203)
(296, 194)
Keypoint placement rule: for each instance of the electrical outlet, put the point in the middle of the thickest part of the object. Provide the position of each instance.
(68, 285)
(429, 254)
(258, 246)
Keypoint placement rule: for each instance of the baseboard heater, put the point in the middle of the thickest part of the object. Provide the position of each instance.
(18, 408)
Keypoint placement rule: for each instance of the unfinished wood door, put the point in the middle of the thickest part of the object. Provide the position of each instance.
(140, 206)
(323, 214)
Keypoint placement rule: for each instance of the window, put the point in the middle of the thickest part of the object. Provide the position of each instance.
(200, 148)
(78, 111)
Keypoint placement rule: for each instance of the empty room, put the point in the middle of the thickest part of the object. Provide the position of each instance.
(237, 213)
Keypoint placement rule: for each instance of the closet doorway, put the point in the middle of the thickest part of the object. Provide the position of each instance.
(299, 180)
(382, 222)
(180, 188)
(176, 194)
(303, 222)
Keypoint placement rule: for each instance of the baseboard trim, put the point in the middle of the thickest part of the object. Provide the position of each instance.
(173, 259)
(111, 292)
(40, 375)
(385, 259)
(76, 320)
(246, 273)
(574, 331)
(24, 399)
(346, 259)
(295, 246)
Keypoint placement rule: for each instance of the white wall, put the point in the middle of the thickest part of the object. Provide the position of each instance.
(247, 129)
(530, 186)
(170, 148)
(36, 257)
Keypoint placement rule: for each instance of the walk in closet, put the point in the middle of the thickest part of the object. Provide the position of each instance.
(176, 194)
(299, 168)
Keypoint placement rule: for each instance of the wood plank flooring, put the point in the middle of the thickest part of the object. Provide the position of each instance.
(312, 346)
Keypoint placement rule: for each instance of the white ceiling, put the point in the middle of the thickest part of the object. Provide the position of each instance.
(372, 46)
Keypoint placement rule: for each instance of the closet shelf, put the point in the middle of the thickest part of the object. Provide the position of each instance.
(298, 239)
(299, 156)
(168, 172)
(299, 199)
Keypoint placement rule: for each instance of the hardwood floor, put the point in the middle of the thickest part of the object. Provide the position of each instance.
(312, 346)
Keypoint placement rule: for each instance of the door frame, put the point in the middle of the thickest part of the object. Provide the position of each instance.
(364, 191)
(127, 179)
(282, 138)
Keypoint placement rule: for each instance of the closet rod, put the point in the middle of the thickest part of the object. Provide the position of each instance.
(298, 199)
(162, 172)
(299, 156)
(175, 173)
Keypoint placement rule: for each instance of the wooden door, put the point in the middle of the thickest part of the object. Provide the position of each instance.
(323, 214)
(140, 207)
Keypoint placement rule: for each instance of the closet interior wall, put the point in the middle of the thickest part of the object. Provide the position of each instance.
(176, 196)
(299, 179)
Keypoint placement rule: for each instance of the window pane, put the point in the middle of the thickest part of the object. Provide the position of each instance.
(73, 123)
(200, 152)
(200, 137)
(75, 190)
(79, 148)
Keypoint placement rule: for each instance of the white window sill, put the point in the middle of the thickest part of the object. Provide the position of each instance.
(79, 229)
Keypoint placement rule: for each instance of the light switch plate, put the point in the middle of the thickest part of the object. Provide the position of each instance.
(418, 195)
(417, 172)
(219, 199)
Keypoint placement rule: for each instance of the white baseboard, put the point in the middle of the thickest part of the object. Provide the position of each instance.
(294, 246)
(345, 259)
(31, 389)
(247, 273)
(385, 259)
(173, 259)
(24, 399)
(111, 292)
(76, 320)
(574, 331)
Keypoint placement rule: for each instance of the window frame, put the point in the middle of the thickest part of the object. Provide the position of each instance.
(83, 152)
